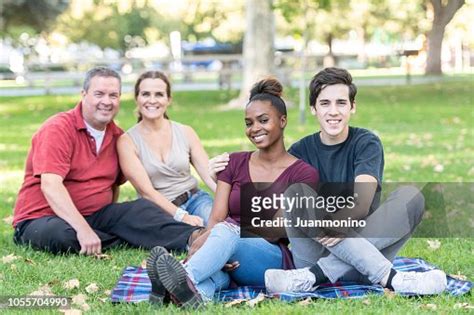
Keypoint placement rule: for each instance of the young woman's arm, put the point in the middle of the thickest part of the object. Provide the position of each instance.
(134, 171)
(199, 158)
(219, 214)
(220, 207)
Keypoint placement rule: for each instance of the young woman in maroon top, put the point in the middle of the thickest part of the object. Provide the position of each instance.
(221, 254)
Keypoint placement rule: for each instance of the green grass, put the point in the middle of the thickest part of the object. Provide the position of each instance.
(421, 127)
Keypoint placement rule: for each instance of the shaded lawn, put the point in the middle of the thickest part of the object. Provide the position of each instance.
(427, 134)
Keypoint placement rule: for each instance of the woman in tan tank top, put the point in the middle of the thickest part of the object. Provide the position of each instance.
(156, 153)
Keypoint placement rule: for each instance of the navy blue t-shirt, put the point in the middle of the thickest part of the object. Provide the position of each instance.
(361, 153)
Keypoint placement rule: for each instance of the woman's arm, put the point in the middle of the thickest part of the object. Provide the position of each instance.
(199, 158)
(220, 207)
(219, 213)
(134, 171)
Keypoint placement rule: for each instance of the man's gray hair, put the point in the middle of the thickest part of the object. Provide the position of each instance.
(100, 72)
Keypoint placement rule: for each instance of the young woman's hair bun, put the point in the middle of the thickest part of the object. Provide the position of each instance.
(268, 85)
(269, 89)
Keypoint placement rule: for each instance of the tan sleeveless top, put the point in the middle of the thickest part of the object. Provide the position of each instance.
(173, 177)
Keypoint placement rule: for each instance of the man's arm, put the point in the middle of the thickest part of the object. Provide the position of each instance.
(60, 201)
(364, 188)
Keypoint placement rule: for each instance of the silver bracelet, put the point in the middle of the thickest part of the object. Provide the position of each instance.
(179, 214)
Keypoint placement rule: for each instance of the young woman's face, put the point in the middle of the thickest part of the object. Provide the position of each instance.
(264, 124)
(152, 100)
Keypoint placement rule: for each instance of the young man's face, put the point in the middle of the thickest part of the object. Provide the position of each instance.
(333, 110)
(100, 103)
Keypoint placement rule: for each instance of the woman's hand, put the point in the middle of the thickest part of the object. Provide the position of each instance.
(193, 220)
(217, 164)
(231, 266)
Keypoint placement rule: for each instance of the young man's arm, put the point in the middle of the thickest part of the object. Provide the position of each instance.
(61, 203)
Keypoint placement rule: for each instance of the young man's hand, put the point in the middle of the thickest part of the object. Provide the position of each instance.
(329, 241)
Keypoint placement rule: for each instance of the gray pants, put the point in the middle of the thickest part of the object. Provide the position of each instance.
(364, 258)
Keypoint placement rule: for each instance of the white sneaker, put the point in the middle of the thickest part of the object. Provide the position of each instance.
(421, 283)
(297, 280)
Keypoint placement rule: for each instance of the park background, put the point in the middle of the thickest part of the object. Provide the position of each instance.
(411, 60)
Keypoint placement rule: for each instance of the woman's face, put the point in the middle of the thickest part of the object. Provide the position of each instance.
(152, 100)
(264, 124)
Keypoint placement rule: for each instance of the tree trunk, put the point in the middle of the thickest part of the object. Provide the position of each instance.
(443, 14)
(258, 50)
(329, 60)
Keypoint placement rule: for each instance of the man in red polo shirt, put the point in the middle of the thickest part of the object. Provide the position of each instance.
(66, 202)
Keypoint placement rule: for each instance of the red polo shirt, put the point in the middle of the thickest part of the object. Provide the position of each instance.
(63, 146)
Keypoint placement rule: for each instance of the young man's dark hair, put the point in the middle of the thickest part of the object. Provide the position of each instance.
(331, 76)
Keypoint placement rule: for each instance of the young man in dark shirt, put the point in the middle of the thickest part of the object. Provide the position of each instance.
(344, 154)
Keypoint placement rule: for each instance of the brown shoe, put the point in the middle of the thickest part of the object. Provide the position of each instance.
(177, 283)
(158, 294)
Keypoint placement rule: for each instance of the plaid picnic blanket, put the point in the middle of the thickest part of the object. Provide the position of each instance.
(134, 286)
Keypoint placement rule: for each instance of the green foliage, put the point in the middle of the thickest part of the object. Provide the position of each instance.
(106, 26)
(35, 13)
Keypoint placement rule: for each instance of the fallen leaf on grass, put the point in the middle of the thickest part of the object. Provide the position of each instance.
(459, 276)
(43, 290)
(8, 220)
(30, 261)
(427, 215)
(429, 306)
(234, 302)
(439, 168)
(433, 244)
(85, 307)
(71, 312)
(104, 300)
(108, 292)
(366, 302)
(253, 302)
(102, 256)
(388, 293)
(9, 258)
(92, 288)
(453, 213)
(71, 284)
(54, 282)
(305, 302)
(464, 305)
(79, 299)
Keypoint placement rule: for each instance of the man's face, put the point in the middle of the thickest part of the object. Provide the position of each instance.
(100, 103)
(333, 110)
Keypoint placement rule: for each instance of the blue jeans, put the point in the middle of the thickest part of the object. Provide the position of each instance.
(363, 258)
(255, 256)
(199, 204)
